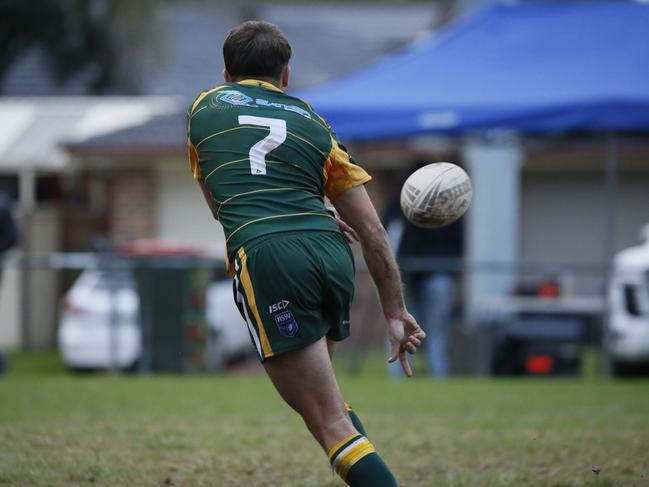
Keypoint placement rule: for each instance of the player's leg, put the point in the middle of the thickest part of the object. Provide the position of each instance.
(356, 421)
(305, 380)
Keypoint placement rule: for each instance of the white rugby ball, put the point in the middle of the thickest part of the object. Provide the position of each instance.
(436, 195)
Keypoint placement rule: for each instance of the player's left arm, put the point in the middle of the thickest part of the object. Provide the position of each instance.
(405, 334)
(344, 182)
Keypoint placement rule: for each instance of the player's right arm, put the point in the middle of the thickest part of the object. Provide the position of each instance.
(195, 168)
(192, 152)
(356, 208)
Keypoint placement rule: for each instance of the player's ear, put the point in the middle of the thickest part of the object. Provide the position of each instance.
(226, 76)
(285, 75)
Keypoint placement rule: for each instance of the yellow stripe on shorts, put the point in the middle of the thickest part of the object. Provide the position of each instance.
(252, 304)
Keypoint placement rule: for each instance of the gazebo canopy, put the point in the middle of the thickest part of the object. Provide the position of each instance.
(540, 67)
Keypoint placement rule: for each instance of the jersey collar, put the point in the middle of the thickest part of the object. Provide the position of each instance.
(258, 82)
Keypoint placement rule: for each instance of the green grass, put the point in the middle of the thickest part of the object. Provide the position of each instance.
(64, 430)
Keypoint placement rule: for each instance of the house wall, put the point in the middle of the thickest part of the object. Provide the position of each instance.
(9, 307)
(564, 219)
(181, 211)
(131, 210)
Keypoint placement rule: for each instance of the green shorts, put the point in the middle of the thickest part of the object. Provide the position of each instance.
(294, 288)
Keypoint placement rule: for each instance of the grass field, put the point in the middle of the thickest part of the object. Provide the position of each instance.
(58, 429)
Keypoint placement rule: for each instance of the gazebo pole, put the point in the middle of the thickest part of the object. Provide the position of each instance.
(612, 191)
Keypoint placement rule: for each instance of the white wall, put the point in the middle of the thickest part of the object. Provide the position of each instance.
(10, 307)
(45, 235)
(181, 212)
(564, 217)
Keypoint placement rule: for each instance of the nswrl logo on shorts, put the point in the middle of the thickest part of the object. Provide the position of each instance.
(286, 324)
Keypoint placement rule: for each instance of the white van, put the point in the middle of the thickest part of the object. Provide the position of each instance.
(628, 295)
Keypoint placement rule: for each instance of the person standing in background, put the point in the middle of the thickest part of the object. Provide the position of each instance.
(430, 294)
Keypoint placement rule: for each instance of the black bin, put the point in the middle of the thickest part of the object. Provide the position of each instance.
(171, 283)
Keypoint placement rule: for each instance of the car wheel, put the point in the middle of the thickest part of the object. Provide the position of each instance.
(630, 369)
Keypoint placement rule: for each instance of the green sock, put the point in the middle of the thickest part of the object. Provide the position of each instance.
(370, 470)
(356, 421)
(356, 461)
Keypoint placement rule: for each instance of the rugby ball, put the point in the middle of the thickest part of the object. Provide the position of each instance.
(435, 195)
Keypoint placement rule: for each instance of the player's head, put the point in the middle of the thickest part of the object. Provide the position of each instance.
(256, 49)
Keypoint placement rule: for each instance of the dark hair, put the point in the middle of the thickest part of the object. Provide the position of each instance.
(256, 49)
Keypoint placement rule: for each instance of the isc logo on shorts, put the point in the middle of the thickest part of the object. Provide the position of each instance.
(286, 324)
(279, 306)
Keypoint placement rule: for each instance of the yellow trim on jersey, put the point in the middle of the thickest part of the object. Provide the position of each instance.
(235, 161)
(223, 165)
(306, 142)
(258, 82)
(348, 459)
(203, 95)
(194, 165)
(260, 191)
(340, 173)
(248, 126)
(319, 119)
(277, 216)
(335, 448)
(252, 304)
(226, 130)
(191, 115)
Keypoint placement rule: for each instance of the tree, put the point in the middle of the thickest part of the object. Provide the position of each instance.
(98, 37)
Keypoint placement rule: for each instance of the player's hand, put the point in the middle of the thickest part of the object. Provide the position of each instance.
(405, 336)
(348, 232)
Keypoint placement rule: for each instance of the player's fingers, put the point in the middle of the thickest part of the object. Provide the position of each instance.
(410, 348)
(349, 232)
(394, 353)
(414, 340)
(420, 334)
(404, 363)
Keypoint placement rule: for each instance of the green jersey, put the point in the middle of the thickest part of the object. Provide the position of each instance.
(265, 162)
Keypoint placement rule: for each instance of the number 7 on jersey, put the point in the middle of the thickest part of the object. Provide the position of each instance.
(274, 139)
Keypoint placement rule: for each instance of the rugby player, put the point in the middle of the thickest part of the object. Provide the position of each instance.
(265, 162)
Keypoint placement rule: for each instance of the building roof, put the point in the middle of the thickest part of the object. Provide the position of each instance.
(327, 41)
(162, 134)
(33, 129)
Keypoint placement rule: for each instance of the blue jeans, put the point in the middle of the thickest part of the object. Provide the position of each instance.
(430, 300)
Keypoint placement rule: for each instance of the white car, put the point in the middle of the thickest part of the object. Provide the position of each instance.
(628, 294)
(88, 339)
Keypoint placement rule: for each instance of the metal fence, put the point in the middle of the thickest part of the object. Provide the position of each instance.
(544, 312)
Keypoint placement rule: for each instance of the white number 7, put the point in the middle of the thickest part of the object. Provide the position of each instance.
(273, 140)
